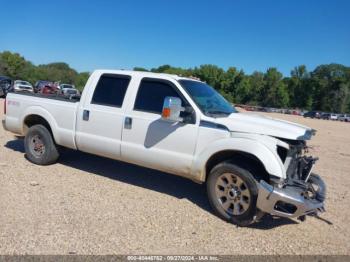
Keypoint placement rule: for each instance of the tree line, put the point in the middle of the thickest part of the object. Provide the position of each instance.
(15, 66)
(326, 88)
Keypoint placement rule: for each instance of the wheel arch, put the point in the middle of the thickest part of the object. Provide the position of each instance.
(241, 151)
(33, 119)
(242, 159)
(36, 116)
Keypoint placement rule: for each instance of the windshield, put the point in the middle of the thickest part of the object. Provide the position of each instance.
(23, 83)
(67, 86)
(207, 98)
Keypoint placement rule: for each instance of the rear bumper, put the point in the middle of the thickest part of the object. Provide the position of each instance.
(270, 200)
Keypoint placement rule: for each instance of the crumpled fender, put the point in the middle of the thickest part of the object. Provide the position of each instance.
(268, 157)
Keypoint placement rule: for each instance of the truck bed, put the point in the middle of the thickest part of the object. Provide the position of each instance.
(48, 96)
(60, 112)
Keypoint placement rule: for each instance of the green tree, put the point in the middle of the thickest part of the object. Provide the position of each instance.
(141, 69)
(327, 88)
(211, 74)
(275, 91)
(300, 88)
(257, 84)
(13, 65)
(332, 83)
(81, 80)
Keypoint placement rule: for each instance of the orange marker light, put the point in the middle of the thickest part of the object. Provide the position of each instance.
(166, 112)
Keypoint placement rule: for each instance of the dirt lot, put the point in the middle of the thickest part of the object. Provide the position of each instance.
(91, 205)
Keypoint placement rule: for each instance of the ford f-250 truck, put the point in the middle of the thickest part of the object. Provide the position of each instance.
(252, 165)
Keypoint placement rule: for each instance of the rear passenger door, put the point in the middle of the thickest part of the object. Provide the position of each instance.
(100, 119)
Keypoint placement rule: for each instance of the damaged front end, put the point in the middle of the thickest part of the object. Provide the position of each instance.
(301, 193)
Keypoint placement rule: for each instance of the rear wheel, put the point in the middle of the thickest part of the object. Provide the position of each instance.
(233, 193)
(39, 146)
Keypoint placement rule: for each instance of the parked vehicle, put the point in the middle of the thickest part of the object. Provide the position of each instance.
(333, 116)
(69, 86)
(49, 89)
(312, 114)
(329, 116)
(5, 85)
(23, 86)
(344, 117)
(70, 92)
(295, 112)
(325, 116)
(41, 84)
(251, 164)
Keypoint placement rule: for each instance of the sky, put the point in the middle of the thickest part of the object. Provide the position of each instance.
(250, 35)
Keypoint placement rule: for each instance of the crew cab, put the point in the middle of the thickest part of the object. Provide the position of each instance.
(252, 165)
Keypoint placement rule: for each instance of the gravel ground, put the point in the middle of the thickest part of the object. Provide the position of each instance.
(90, 205)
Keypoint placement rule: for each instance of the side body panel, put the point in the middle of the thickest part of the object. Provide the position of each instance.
(158, 144)
(212, 141)
(101, 133)
(60, 115)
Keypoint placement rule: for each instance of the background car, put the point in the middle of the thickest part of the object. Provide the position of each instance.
(23, 86)
(63, 86)
(325, 116)
(312, 114)
(333, 116)
(70, 93)
(5, 85)
(329, 116)
(344, 117)
(49, 88)
(41, 84)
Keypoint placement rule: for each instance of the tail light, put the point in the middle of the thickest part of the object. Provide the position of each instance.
(5, 106)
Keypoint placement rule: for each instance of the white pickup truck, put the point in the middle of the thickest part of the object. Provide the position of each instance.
(252, 165)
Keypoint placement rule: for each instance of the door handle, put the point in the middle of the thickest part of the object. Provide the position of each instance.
(86, 115)
(128, 122)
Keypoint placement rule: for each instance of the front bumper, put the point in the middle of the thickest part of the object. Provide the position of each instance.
(286, 202)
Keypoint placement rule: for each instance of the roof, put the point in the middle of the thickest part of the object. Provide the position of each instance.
(143, 74)
(4, 77)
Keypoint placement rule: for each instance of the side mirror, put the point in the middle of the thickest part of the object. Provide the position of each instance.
(172, 109)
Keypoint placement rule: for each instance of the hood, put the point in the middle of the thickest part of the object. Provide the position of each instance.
(258, 124)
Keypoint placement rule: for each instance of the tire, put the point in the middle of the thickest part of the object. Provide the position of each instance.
(321, 187)
(39, 146)
(232, 193)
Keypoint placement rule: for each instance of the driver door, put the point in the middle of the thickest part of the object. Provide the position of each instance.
(150, 141)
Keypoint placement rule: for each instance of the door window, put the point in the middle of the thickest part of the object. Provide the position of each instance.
(151, 94)
(110, 90)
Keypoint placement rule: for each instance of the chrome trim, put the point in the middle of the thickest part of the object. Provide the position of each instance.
(268, 197)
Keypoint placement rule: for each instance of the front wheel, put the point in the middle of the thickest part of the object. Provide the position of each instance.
(232, 193)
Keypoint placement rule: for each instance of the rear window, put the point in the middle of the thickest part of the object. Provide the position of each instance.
(110, 90)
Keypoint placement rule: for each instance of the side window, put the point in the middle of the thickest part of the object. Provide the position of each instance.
(151, 94)
(110, 90)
